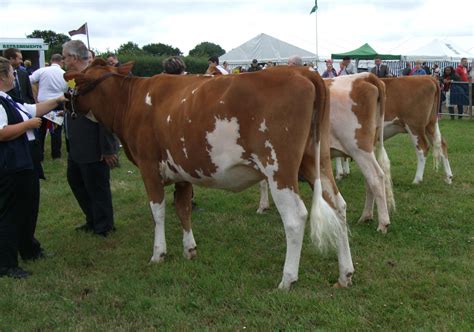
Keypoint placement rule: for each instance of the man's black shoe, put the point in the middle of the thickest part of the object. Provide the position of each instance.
(84, 228)
(14, 272)
(39, 255)
(106, 233)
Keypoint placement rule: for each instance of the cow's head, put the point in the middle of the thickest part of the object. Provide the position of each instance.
(82, 83)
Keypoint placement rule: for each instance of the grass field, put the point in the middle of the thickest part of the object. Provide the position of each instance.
(417, 277)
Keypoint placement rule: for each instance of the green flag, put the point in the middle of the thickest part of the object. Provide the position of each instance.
(315, 8)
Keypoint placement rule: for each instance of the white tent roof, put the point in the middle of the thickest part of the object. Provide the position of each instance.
(264, 48)
(438, 50)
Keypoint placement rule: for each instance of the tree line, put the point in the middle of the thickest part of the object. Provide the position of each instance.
(147, 58)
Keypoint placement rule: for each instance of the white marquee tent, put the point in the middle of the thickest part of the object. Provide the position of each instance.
(265, 48)
(437, 50)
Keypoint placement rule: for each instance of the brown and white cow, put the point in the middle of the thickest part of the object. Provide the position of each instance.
(217, 132)
(357, 107)
(412, 107)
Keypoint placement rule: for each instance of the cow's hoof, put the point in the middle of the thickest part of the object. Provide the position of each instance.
(449, 180)
(190, 253)
(158, 258)
(344, 282)
(383, 228)
(261, 210)
(417, 181)
(365, 218)
(285, 285)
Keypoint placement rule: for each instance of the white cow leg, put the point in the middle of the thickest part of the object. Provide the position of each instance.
(159, 247)
(420, 166)
(368, 213)
(346, 168)
(264, 202)
(447, 169)
(339, 170)
(346, 267)
(293, 214)
(189, 244)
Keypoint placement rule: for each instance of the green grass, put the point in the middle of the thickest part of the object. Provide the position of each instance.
(417, 277)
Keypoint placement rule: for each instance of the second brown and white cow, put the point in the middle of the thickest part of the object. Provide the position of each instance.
(412, 107)
(217, 132)
(357, 107)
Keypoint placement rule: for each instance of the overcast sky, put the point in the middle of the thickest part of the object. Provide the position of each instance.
(387, 25)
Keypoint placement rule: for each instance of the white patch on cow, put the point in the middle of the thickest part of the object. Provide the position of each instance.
(421, 159)
(271, 166)
(159, 247)
(168, 119)
(189, 120)
(392, 128)
(183, 100)
(221, 102)
(91, 116)
(185, 153)
(182, 139)
(341, 113)
(286, 128)
(148, 99)
(263, 126)
(194, 91)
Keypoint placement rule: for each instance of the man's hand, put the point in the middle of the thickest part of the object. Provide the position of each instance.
(111, 160)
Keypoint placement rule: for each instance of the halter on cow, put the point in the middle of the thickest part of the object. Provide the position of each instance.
(217, 132)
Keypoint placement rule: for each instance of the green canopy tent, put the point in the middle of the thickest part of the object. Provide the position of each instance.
(365, 52)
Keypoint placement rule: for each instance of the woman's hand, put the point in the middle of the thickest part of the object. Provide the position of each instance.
(33, 123)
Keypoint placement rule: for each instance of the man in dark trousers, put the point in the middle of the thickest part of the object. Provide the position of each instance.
(92, 151)
(29, 246)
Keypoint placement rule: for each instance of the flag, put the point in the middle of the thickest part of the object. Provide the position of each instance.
(81, 31)
(315, 8)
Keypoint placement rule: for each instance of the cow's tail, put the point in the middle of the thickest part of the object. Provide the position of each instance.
(437, 144)
(382, 157)
(326, 227)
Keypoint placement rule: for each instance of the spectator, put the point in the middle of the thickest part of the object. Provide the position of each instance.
(22, 91)
(426, 68)
(269, 64)
(254, 66)
(174, 65)
(112, 60)
(29, 68)
(19, 183)
(225, 65)
(214, 67)
(330, 72)
(346, 67)
(380, 69)
(91, 57)
(51, 84)
(418, 70)
(92, 151)
(295, 60)
(436, 73)
(462, 72)
(448, 76)
(407, 70)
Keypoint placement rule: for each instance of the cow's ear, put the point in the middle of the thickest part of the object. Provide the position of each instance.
(126, 68)
(98, 62)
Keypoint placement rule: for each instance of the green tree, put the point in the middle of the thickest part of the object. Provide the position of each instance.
(206, 49)
(161, 49)
(53, 39)
(130, 48)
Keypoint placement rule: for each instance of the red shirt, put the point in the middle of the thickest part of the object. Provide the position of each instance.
(462, 72)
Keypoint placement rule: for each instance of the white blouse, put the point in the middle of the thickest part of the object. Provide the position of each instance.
(26, 108)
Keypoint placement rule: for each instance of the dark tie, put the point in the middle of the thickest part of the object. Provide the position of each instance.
(378, 70)
(17, 85)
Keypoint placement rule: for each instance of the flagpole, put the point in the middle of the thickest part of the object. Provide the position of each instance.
(317, 50)
(87, 33)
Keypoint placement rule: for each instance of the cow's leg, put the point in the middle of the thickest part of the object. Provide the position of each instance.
(420, 143)
(374, 180)
(184, 193)
(264, 202)
(293, 214)
(156, 193)
(346, 169)
(368, 213)
(339, 170)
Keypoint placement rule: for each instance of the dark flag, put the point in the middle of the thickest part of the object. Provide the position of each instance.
(81, 31)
